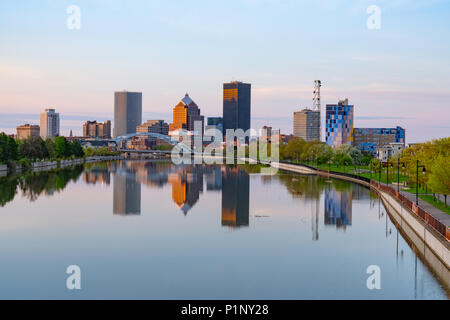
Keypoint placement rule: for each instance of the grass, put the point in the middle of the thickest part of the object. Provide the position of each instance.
(436, 203)
(374, 175)
(392, 179)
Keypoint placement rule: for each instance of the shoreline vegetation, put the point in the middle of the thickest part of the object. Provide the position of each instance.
(433, 157)
(22, 154)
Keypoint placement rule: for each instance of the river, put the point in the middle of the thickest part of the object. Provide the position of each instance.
(152, 230)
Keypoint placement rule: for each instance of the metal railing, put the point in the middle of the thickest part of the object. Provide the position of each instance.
(426, 217)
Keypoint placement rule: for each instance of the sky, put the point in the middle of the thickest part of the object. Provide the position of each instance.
(398, 74)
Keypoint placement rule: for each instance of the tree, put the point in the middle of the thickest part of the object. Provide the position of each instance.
(366, 159)
(51, 147)
(62, 147)
(294, 148)
(76, 149)
(8, 148)
(89, 152)
(33, 148)
(439, 180)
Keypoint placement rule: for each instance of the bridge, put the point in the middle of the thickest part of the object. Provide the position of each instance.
(179, 145)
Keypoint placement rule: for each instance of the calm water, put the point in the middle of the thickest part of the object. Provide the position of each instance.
(151, 230)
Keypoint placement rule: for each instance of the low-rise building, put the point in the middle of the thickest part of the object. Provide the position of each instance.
(101, 130)
(371, 139)
(27, 130)
(392, 149)
(151, 126)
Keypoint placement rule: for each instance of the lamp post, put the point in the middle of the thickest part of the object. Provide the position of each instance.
(379, 173)
(417, 180)
(389, 164)
(398, 172)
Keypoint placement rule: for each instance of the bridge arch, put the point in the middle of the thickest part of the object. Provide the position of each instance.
(183, 147)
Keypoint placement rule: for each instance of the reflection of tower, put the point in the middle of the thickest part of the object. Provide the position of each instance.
(214, 179)
(127, 194)
(186, 188)
(94, 176)
(338, 208)
(235, 198)
(315, 221)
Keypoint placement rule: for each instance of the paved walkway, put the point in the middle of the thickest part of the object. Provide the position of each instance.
(435, 212)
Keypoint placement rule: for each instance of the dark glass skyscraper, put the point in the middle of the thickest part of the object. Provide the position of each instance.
(236, 106)
(127, 112)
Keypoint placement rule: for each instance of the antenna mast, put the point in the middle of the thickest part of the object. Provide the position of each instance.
(316, 99)
(316, 103)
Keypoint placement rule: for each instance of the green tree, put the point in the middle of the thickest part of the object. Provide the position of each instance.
(62, 147)
(295, 148)
(439, 180)
(8, 148)
(76, 149)
(51, 148)
(33, 148)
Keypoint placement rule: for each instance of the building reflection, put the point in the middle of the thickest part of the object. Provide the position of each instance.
(127, 192)
(235, 198)
(338, 208)
(94, 176)
(187, 184)
(213, 176)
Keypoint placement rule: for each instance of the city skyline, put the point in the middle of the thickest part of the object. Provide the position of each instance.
(393, 76)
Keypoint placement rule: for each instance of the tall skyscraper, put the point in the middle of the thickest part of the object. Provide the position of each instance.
(339, 123)
(307, 124)
(236, 106)
(127, 112)
(49, 123)
(185, 113)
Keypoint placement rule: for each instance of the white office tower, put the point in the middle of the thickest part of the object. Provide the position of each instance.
(49, 123)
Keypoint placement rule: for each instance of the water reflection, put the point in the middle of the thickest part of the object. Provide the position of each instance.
(35, 184)
(338, 208)
(297, 210)
(127, 194)
(235, 197)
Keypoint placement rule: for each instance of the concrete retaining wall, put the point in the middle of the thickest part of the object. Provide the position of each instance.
(434, 247)
(49, 165)
(440, 247)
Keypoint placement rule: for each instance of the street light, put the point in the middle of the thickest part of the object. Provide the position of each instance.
(398, 172)
(387, 166)
(379, 173)
(424, 171)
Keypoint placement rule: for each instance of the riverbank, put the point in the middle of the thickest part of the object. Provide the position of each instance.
(432, 230)
(50, 165)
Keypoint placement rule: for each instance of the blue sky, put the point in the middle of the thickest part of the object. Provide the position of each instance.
(398, 75)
